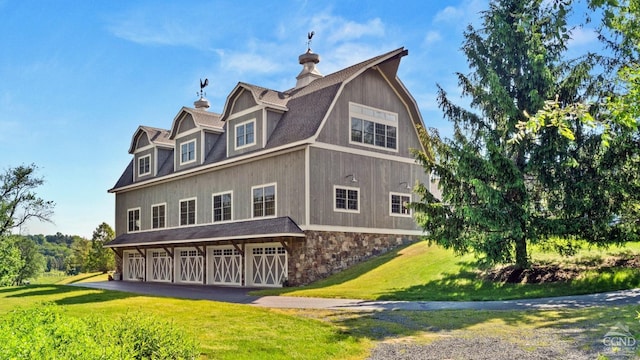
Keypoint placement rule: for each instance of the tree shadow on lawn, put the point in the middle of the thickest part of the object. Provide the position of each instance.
(65, 295)
(468, 285)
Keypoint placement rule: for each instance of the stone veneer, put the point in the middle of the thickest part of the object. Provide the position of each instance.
(324, 253)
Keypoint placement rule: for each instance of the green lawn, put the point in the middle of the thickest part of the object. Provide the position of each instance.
(228, 331)
(424, 272)
(223, 331)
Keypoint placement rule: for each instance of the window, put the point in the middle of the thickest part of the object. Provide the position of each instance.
(188, 152)
(245, 135)
(373, 127)
(222, 207)
(133, 219)
(264, 200)
(399, 204)
(144, 167)
(158, 216)
(187, 212)
(346, 199)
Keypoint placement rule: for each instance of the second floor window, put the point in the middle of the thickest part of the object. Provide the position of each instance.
(134, 220)
(264, 201)
(399, 204)
(373, 127)
(346, 199)
(158, 215)
(245, 134)
(222, 207)
(187, 212)
(144, 166)
(188, 152)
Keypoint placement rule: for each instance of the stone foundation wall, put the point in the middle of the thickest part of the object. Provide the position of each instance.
(324, 253)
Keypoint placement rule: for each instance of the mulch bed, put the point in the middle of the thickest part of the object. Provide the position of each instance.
(549, 273)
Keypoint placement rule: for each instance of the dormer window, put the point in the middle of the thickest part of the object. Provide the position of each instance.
(188, 152)
(245, 134)
(144, 165)
(373, 127)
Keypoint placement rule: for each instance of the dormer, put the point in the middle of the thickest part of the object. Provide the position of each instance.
(250, 114)
(194, 131)
(150, 147)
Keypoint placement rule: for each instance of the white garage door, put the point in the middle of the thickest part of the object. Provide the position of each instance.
(133, 266)
(160, 266)
(225, 266)
(267, 265)
(190, 268)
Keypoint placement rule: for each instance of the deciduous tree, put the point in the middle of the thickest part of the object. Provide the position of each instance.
(101, 258)
(18, 201)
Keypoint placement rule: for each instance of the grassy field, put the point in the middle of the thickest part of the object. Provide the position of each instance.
(223, 331)
(424, 272)
(227, 331)
(417, 272)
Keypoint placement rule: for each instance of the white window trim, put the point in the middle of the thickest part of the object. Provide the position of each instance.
(139, 209)
(235, 134)
(374, 120)
(195, 218)
(195, 152)
(333, 195)
(275, 205)
(139, 160)
(391, 213)
(165, 216)
(213, 221)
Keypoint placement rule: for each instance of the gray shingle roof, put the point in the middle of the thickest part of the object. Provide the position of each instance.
(156, 136)
(205, 118)
(251, 229)
(305, 108)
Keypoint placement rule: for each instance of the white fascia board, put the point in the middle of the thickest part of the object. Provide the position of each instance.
(221, 164)
(216, 239)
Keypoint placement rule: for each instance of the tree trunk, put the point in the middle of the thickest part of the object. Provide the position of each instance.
(522, 258)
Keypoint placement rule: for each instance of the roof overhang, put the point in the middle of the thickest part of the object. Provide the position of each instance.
(211, 233)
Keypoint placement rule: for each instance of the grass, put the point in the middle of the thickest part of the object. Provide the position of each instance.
(223, 331)
(229, 331)
(60, 278)
(425, 272)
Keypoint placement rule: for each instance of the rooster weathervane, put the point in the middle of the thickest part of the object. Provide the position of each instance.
(203, 84)
(309, 36)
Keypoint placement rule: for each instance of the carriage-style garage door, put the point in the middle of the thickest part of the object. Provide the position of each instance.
(266, 265)
(133, 266)
(190, 266)
(160, 266)
(225, 266)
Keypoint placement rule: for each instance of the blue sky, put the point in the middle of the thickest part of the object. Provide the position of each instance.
(78, 77)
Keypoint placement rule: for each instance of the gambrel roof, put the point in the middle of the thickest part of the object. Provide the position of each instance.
(156, 136)
(304, 109)
(203, 119)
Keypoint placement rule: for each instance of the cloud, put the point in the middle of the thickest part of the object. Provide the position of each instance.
(432, 37)
(582, 36)
(336, 29)
(248, 62)
(146, 27)
(467, 12)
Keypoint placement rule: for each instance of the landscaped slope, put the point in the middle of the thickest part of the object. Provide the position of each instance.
(427, 272)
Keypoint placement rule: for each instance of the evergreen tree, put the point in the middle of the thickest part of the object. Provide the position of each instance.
(500, 190)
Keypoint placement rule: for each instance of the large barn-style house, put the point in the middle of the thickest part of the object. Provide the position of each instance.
(281, 188)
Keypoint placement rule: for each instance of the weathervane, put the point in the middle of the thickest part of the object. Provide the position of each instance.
(309, 36)
(202, 86)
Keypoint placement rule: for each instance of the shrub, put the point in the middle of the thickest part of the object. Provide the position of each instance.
(47, 332)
